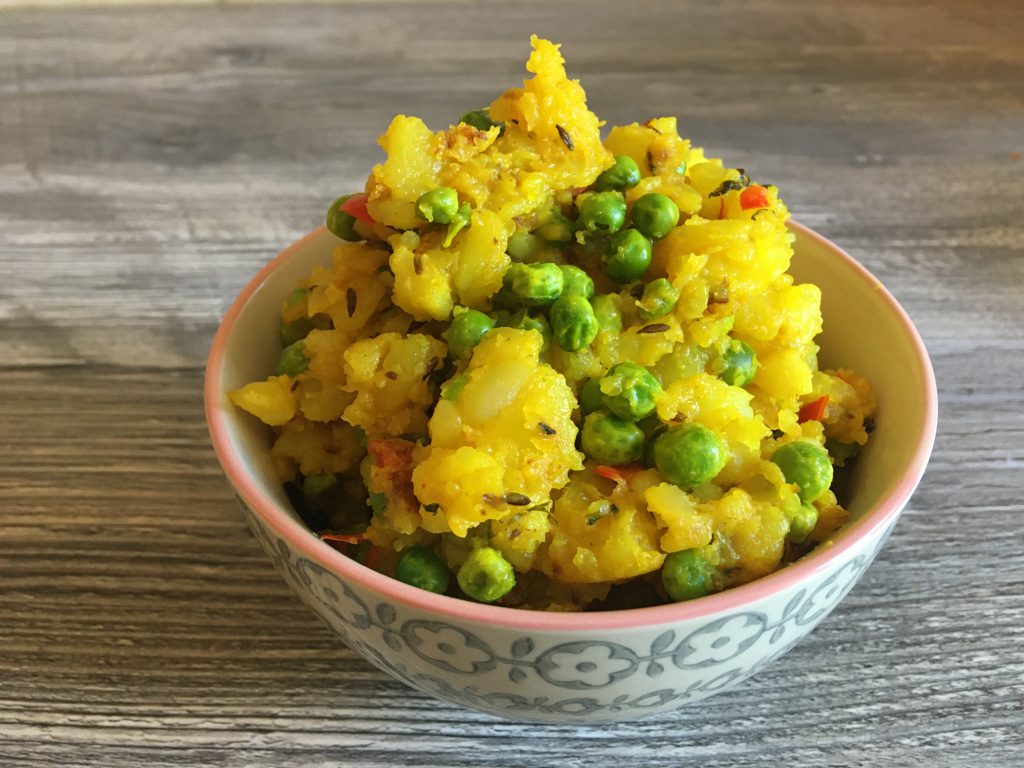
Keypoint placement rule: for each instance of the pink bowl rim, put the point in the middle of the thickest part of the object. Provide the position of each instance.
(301, 539)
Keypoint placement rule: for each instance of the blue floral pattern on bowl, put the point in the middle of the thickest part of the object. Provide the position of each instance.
(542, 676)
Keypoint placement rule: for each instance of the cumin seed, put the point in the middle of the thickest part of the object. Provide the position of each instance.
(719, 294)
(547, 429)
(654, 328)
(350, 301)
(726, 186)
(566, 138)
(432, 365)
(517, 499)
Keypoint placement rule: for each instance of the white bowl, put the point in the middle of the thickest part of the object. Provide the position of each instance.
(600, 666)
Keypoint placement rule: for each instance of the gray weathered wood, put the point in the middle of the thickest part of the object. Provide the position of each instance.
(151, 159)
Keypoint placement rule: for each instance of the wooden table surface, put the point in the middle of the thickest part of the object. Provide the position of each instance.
(153, 158)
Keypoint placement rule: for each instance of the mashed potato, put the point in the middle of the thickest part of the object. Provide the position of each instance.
(558, 368)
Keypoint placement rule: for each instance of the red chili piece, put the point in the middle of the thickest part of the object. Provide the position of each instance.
(356, 206)
(617, 474)
(814, 410)
(344, 538)
(754, 196)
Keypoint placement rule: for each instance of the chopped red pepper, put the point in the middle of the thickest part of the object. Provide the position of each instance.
(754, 196)
(617, 474)
(814, 410)
(344, 542)
(372, 558)
(393, 454)
(356, 206)
(344, 538)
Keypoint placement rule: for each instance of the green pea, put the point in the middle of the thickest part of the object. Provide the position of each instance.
(624, 174)
(555, 229)
(525, 321)
(314, 485)
(481, 120)
(573, 323)
(524, 246)
(535, 285)
(805, 464)
(577, 281)
(297, 331)
(607, 311)
(378, 502)
(603, 212)
(607, 439)
(538, 323)
(300, 329)
(655, 215)
(439, 206)
(630, 391)
(504, 301)
(466, 330)
(802, 523)
(451, 389)
(739, 364)
(686, 575)
(421, 568)
(653, 429)
(293, 360)
(341, 223)
(486, 575)
(459, 222)
(658, 299)
(689, 455)
(590, 396)
(841, 452)
(628, 256)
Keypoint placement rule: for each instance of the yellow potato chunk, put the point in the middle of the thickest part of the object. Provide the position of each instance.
(674, 509)
(389, 375)
(515, 414)
(311, 448)
(411, 169)
(272, 401)
(601, 538)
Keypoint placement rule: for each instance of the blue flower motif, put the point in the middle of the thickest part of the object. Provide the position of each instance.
(333, 594)
(720, 640)
(831, 591)
(586, 664)
(447, 647)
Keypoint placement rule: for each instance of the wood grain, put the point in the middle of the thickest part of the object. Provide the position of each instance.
(151, 159)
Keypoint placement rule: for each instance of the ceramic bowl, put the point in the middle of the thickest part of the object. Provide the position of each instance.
(586, 667)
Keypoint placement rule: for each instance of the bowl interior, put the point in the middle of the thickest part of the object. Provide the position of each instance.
(864, 329)
(251, 352)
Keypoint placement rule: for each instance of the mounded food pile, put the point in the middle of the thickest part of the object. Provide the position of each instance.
(554, 372)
